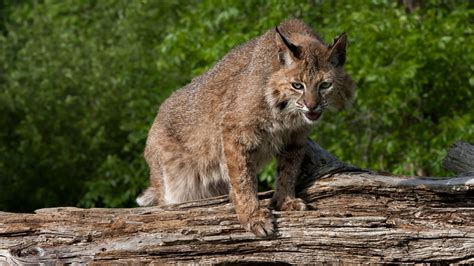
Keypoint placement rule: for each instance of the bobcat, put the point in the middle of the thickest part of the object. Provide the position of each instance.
(212, 136)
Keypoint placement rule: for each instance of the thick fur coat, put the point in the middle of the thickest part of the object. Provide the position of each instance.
(260, 101)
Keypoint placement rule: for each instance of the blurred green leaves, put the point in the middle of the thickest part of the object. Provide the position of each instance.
(80, 83)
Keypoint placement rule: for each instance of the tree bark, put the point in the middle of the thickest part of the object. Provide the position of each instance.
(460, 158)
(355, 216)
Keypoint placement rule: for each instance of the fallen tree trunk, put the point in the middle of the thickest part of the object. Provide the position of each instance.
(460, 158)
(354, 216)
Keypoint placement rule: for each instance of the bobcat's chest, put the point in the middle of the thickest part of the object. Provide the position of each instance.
(273, 140)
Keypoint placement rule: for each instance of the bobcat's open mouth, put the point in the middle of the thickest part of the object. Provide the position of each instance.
(313, 116)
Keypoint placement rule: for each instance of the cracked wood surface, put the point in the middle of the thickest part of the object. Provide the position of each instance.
(460, 158)
(354, 216)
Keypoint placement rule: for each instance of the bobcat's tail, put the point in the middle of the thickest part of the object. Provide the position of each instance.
(147, 198)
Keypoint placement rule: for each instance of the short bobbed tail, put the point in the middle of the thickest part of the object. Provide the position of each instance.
(147, 198)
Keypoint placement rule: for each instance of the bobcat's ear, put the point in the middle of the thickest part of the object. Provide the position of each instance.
(337, 55)
(290, 52)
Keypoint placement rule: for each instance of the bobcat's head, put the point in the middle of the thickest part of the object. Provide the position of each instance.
(308, 75)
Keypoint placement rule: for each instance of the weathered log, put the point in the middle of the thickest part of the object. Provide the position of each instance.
(354, 216)
(460, 158)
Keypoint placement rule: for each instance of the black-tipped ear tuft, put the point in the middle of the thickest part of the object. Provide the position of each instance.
(337, 55)
(295, 50)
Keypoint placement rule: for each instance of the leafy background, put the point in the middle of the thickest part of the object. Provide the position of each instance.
(80, 83)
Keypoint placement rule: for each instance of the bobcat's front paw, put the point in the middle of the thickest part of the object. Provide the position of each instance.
(291, 204)
(260, 223)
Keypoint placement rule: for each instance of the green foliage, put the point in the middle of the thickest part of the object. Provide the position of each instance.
(80, 83)
(414, 96)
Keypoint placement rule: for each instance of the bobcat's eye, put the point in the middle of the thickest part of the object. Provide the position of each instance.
(297, 86)
(325, 85)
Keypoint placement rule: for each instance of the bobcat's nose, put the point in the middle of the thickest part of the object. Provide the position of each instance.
(309, 101)
(311, 104)
(307, 105)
